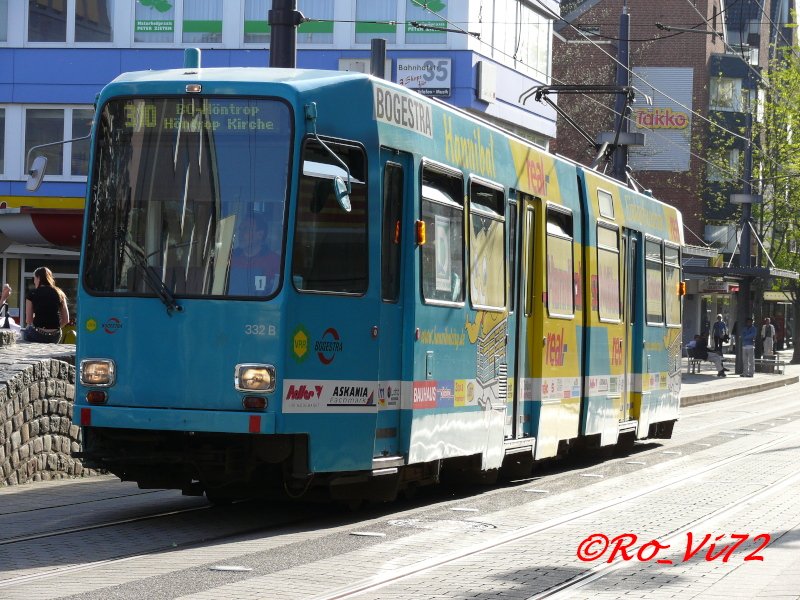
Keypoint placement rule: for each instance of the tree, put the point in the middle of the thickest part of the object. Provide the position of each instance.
(777, 158)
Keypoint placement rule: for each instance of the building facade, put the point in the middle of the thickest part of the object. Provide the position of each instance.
(56, 55)
(696, 67)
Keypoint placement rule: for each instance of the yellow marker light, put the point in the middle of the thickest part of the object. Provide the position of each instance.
(194, 88)
(254, 378)
(420, 225)
(97, 372)
(682, 288)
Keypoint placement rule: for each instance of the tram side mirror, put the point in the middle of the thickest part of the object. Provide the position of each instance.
(36, 173)
(341, 194)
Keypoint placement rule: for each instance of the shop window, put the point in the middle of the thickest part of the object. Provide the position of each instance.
(425, 26)
(47, 21)
(376, 19)
(52, 124)
(93, 21)
(725, 93)
(3, 20)
(81, 126)
(202, 22)
(154, 23)
(256, 27)
(320, 29)
(68, 21)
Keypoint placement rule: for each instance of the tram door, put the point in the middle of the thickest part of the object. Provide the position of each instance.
(524, 279)
(632, 346)
(396, 173)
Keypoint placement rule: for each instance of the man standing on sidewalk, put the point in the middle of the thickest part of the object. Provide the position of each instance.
(768, 335)
(719, 330)
(748, 349)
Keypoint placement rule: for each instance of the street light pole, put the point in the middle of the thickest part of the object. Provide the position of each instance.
(743, 299)
(620, 105)
(283, 20)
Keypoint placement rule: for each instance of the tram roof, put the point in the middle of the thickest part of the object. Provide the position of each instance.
(299, 78)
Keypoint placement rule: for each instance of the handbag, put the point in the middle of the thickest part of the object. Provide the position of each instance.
(726, 338)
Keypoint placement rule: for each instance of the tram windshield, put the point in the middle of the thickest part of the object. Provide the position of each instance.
(189, 194)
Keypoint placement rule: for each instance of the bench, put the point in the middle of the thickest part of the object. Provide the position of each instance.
(770, 365)
(695, 365)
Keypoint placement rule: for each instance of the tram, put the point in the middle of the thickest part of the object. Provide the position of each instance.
(430, 295)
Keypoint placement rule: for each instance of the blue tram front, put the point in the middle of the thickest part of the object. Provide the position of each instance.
(296, 280)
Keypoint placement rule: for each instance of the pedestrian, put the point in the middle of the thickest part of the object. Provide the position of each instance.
(46, 309)
(701, 352)
(768, 335)
(719, 330)
(5, 294)
(748, 348)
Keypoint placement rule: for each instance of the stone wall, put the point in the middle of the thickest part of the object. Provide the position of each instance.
(37, 390)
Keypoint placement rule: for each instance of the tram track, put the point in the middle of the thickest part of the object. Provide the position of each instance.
(761, 420)
(372, 584)
(113, 523)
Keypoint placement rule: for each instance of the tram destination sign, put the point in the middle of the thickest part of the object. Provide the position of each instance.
(428, 76)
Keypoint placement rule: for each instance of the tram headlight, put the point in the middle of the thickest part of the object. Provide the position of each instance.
(98, 372)
(254, 378)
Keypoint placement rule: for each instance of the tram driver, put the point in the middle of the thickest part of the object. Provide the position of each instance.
(254, 265)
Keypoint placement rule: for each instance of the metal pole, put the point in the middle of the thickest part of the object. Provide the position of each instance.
(620, 104)
(744, 310)
(377, 58)
(283, 20)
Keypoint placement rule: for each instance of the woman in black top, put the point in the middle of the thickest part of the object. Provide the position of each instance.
(46, 309)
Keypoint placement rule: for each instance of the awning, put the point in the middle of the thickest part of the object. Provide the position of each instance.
(44, 227)
(739, 273)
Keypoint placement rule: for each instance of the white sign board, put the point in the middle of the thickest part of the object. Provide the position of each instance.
(428, 76)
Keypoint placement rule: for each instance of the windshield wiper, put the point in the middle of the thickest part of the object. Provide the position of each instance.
(151, 278)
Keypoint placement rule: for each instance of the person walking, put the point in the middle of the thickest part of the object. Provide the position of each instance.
(719, 330)
(46, 309)
(748, 342)
(768, 336)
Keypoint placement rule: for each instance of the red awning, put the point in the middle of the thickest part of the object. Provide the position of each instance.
(46, 227)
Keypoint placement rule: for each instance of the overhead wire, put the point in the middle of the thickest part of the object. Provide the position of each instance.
(610, 109)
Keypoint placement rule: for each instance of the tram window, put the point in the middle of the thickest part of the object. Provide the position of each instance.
(560, 294)
(672, 283)
(330, 245)
(392, 231)
(605, 203)
(512, 255)
(443, 253)
(487, 251)
(654, 282)
(608, 305)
